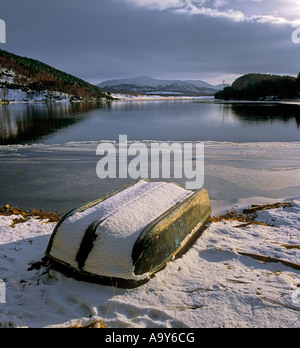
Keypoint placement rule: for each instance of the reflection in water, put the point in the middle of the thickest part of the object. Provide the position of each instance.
(21, 123)
(142, 120)
(266, 113)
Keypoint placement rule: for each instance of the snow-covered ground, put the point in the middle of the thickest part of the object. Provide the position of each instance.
(19, 96)
(9, 92)
(217, 283)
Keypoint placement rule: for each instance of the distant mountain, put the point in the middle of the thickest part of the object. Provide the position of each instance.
(26, 79)
(149, 86)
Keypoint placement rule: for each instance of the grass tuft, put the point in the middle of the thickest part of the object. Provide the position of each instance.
(40, 214)
(94, 325)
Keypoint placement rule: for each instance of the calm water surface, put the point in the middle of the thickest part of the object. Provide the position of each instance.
(149, 120)
(252, 150)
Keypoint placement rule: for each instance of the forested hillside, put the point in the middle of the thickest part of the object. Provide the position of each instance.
(26, 74)
(262, 87)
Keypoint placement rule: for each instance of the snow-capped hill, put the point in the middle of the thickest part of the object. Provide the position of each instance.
(140, 81)
(148, 85)
(26, 79)
(200, 84)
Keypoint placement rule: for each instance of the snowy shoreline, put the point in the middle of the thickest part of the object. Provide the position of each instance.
(216, 284)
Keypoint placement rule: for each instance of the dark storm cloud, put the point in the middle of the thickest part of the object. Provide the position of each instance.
(98, 40)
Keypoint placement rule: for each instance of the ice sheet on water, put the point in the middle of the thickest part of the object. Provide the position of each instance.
(233, 172)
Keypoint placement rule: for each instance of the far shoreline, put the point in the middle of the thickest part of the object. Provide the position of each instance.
(132, 98)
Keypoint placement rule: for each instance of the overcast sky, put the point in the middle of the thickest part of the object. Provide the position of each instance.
(209, 40)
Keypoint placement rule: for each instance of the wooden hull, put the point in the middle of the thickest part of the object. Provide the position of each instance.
(161, 240)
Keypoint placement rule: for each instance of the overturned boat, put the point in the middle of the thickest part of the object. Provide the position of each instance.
(124, 238)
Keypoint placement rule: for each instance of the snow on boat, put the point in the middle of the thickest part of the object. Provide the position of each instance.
(124, 238)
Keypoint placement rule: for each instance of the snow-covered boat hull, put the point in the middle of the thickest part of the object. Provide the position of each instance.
(124, 238)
